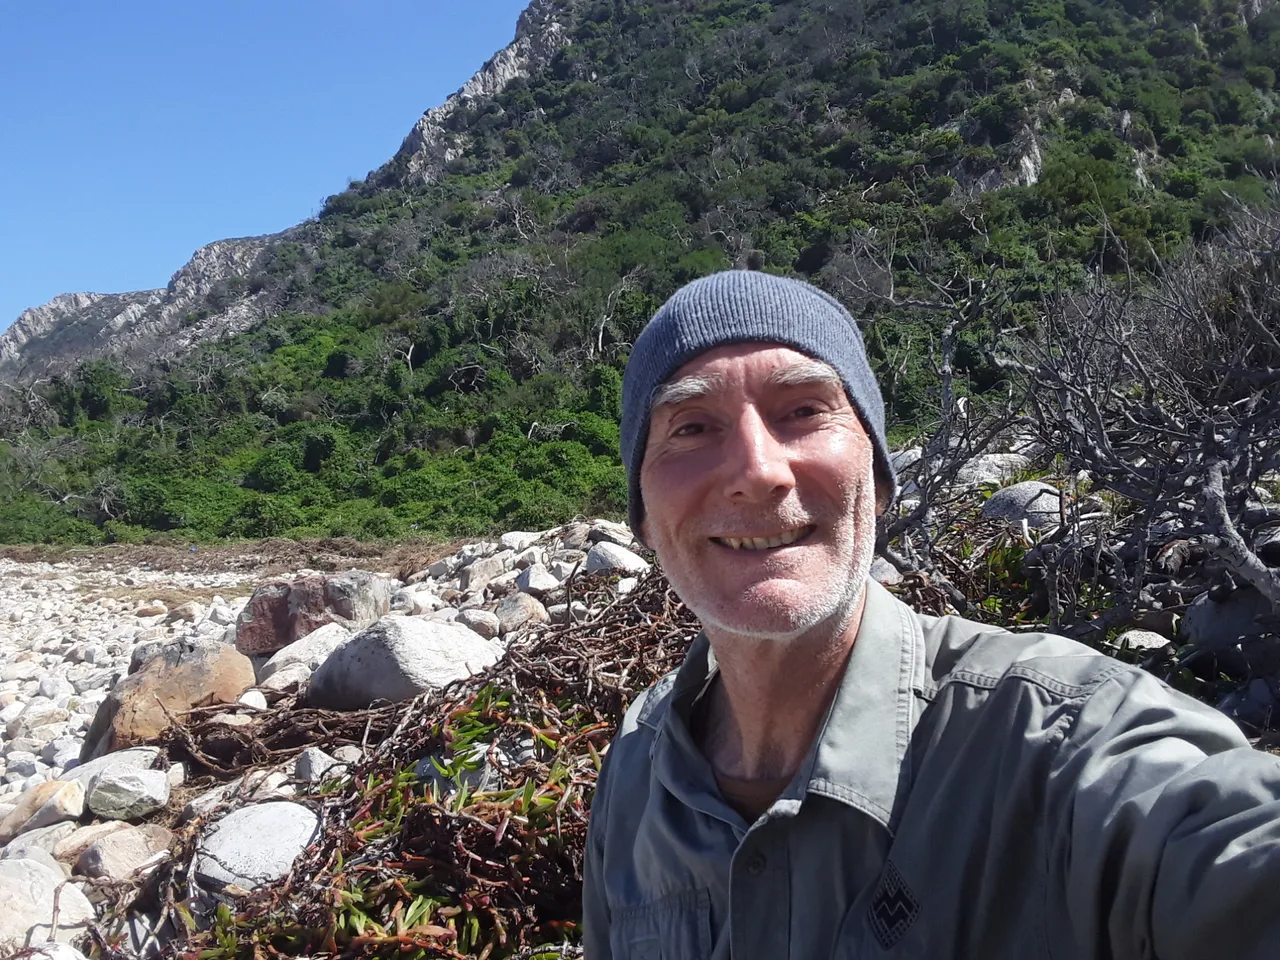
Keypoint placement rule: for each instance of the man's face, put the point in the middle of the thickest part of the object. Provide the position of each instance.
(759, 492)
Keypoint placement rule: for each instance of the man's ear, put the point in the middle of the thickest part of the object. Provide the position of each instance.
(642, 531)
(883, 499)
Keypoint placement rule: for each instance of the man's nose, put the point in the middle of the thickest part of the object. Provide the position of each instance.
(756, 463)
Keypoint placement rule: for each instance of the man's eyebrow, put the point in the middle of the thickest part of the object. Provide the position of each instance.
(803, 373)
(798, 374)
(686, 388)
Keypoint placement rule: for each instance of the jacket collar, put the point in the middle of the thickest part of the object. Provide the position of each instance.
(860, 751)
(859, 755)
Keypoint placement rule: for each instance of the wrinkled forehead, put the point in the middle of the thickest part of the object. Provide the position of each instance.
(773, 366)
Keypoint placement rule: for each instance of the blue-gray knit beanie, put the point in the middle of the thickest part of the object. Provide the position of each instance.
(744, 306)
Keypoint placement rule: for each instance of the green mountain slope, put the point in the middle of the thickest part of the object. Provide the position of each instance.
(446, 357)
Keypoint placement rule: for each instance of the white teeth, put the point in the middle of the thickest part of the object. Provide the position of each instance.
(764, 543)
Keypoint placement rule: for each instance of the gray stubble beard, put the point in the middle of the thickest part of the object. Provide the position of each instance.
(832, 620)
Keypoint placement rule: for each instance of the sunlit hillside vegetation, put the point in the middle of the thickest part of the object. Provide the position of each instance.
(446, 357)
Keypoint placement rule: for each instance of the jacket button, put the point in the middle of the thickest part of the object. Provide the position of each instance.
(756, 864)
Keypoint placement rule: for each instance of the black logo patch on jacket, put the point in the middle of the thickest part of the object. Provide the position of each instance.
(893, 908)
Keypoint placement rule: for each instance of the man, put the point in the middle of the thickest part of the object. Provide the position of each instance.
(830, 774)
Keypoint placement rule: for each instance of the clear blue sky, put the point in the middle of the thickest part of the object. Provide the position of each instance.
(133, 132)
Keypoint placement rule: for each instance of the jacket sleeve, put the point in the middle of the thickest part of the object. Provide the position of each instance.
(1163, 831)
(595, 908)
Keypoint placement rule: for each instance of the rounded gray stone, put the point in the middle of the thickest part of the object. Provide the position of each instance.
(1035, 501)
(255, 845)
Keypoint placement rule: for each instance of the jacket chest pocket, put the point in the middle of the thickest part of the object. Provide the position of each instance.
(675, 927)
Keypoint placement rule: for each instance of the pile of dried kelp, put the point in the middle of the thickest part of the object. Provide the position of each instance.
(406, 868)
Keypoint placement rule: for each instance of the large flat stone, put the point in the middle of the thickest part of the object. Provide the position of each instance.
(27, 892)
(134, 758)
(255, 845)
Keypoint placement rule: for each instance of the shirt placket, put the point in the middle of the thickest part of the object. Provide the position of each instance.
(760, 894)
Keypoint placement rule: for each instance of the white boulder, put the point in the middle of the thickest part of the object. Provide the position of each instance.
(28, 890)
(610, 557)
(310, 651)
(398, 658)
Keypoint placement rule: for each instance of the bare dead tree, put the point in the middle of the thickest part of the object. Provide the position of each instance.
(950, 299)
(630, 281)
(1168, 395)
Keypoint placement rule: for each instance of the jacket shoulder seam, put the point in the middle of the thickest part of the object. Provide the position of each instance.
(1029, 674)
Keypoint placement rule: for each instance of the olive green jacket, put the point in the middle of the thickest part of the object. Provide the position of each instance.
(972, 794)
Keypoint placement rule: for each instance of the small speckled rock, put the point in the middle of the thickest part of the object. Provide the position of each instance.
(1141, 640)
(483, 622)
(520, 610)
(128, 794)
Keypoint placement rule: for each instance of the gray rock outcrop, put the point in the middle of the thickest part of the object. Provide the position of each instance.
(432, 144)
(79, 326)
(396, 659)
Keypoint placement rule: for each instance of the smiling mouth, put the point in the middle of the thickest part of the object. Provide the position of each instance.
(786, 538)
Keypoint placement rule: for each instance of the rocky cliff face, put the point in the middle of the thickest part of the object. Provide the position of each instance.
(212, 295)
(427, 150)
(206, 298)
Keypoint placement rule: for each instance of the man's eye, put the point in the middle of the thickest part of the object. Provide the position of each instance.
(808, 410)
(687, 430)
